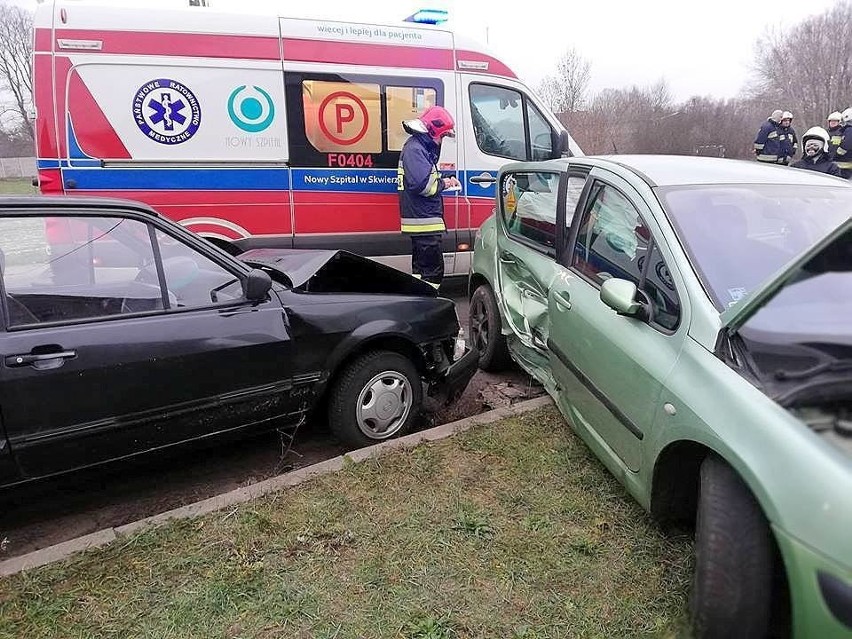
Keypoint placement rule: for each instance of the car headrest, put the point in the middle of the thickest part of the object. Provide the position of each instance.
(179, 271)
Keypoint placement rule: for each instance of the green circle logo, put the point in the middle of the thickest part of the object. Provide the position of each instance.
(251, 109)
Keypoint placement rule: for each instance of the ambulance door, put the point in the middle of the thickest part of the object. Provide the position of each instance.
(345, 133)
(500, 122)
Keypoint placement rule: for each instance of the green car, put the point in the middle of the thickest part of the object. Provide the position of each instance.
(692, 319)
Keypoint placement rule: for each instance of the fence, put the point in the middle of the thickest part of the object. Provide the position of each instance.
(17, 168)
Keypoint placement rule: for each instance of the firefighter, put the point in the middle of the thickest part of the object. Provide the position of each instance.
(843, 151)
(789, 140)
(834, 132)
(767, 144)
(420, 185)
(816, 156)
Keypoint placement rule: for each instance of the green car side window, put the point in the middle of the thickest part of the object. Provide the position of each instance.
(529, 206)
(613, 241)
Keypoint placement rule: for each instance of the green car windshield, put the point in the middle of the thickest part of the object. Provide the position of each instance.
(738, 236)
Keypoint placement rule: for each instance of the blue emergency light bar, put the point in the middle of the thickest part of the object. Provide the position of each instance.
(429, 16)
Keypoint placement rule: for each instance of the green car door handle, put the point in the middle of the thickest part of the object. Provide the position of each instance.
(563, 301)
(508, 258)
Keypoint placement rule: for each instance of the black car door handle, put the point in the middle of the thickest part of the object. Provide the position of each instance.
(483, 179)
(14, 361)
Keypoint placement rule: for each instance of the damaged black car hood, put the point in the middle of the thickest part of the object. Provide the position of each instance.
(336, 271)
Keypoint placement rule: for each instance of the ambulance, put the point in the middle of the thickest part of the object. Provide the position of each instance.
(260, 131)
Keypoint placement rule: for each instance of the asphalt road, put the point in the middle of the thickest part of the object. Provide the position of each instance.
(55, 510)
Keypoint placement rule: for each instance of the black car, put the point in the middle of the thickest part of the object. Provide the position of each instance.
(124, 333)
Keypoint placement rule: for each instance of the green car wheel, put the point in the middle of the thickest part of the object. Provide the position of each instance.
(486, 330)
(732, 589)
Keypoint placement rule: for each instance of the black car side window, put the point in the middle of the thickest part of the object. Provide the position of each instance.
(612, 238)
(65, 268)
(194, 280)
(529, 206)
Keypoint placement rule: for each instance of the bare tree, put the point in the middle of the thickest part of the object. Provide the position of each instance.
(16, 29)
(565, 91)
(808, 69)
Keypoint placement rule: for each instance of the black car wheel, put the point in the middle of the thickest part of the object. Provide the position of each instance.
(486, 330)
(732, 591)
(378, 396)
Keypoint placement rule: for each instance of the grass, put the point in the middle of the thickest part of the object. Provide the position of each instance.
(17, 186)
(513, 530)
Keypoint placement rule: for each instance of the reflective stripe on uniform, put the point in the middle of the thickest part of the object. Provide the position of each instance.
(841, 151)
(767, 158)
(423, 228)
(431, 187)
(844, 165)
(758, 147)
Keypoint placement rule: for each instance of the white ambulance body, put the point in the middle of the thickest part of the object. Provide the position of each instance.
(260, 131)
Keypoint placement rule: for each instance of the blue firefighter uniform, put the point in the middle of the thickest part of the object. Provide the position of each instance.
(789, 144)
(421, 206)
(821, 163)
(836, 135)
(843, 152)
(767, 144)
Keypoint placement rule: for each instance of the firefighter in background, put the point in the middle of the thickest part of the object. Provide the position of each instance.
(843, 151)
(420, 186)
(815, 156)
(767, 144)
(788, 138)
(834, 132)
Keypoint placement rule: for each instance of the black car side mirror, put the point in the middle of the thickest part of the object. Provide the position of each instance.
(257, 286)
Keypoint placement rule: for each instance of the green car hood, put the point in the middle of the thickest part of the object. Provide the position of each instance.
(820, 257)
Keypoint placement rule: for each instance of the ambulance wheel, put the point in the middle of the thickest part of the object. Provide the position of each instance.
(376, 397)
(486, 330)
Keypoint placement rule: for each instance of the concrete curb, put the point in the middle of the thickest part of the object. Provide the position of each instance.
(65, 549)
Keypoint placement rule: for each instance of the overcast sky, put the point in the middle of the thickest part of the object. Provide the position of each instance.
(704, 49)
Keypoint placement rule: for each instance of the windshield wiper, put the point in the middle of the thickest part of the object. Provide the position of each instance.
(832, 366)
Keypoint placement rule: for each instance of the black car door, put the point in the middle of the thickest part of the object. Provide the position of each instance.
(123, 336)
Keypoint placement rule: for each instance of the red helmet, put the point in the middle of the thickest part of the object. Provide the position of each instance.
(438, 122)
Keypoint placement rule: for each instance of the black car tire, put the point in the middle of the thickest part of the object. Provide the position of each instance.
(485, 330)
(379, 370)
(732, 588)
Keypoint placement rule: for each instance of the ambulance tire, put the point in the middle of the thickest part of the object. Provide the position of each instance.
(377, 397)
(486, 331)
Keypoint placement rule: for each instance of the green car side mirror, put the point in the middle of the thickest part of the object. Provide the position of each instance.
(620, 296)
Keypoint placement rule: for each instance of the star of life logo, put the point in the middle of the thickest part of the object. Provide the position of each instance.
(166, 111)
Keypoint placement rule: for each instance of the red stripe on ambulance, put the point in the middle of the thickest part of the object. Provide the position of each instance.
(367, 54)
(200, 45)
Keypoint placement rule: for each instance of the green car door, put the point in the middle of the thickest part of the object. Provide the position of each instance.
(610, 366)
(526, 258)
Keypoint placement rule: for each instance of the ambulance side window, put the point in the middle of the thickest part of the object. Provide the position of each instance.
(353, 121)
(541, 135)
(508, 125)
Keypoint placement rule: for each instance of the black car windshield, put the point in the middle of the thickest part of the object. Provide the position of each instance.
(738, 236)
